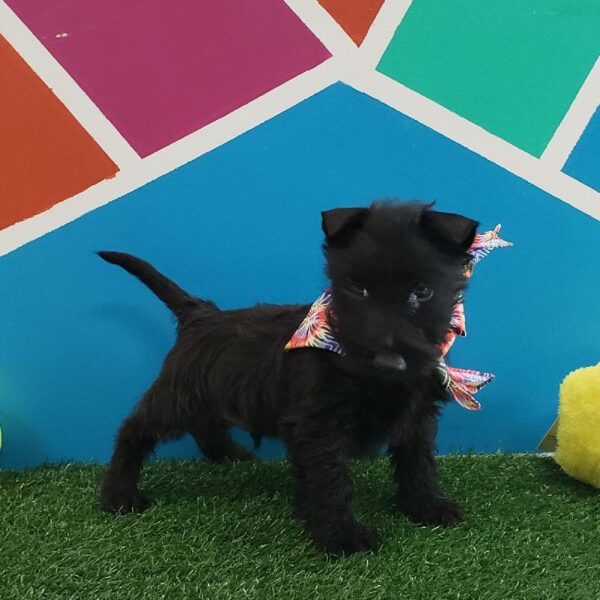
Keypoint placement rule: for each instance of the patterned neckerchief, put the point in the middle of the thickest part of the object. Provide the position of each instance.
(315, 330)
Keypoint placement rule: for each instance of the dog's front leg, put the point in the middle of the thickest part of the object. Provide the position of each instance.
(419, 495)
(324, 493)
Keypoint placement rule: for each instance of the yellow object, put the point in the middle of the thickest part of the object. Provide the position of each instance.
(578, 451)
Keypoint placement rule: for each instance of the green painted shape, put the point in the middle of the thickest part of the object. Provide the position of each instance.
(511, 66)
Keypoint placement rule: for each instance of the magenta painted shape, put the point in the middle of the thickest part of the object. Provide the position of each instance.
(160, 69)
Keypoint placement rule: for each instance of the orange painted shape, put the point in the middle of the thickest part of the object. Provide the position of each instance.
(45, 154)
(354, 16)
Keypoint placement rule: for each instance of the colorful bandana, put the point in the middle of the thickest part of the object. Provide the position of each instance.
(315, 330)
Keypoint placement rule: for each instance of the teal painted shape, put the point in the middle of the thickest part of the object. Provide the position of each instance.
(511, 66)
(81, 340)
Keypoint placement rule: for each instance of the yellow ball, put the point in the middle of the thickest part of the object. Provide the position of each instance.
(578, 449)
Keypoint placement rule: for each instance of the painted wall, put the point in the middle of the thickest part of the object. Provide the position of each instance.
(229, 145)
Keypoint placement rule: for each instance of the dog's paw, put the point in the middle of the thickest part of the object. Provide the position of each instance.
(343, 539)
(433, 511)
(122, 501)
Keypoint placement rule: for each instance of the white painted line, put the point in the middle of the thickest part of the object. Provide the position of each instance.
(65, 88)
(475, 138)
(574, 122)
(324, 26)
(192, 146)
(382, 30)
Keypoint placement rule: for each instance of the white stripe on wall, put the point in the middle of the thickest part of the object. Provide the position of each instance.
(574, 122)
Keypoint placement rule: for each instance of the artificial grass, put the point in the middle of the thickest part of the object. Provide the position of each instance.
(226, 531)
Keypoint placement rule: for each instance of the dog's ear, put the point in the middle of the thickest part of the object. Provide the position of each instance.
(342, 220)
(453, 230)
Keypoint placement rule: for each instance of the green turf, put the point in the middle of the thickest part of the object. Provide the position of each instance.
(226, 531)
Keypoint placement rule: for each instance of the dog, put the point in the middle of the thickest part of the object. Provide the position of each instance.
(396, 271)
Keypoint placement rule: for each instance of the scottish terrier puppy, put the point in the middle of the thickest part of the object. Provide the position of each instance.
(396, 271)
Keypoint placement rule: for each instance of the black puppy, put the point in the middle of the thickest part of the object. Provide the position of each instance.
(396, 270)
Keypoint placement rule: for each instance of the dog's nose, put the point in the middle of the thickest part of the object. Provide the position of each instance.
(390, 361)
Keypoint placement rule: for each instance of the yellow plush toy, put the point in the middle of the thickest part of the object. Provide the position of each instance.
(578, 449)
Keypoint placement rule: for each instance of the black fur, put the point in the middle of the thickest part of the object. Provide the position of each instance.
(230, 368)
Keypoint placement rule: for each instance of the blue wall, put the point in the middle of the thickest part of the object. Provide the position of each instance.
(81, 340)
(584, 162)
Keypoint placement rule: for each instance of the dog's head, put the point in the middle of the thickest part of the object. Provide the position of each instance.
(396, 270)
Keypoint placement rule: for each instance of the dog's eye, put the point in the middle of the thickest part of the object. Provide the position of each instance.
(355, 289)
(423, 292)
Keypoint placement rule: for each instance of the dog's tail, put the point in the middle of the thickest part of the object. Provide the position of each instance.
(178, 300)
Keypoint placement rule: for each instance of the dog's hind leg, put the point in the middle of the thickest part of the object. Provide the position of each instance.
(151, 422)
(211, 434)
